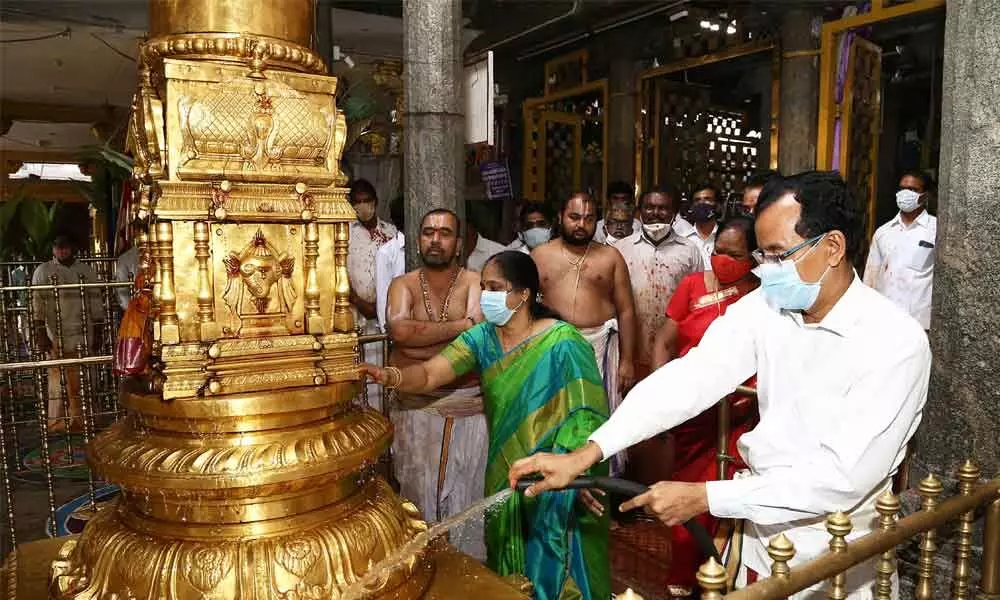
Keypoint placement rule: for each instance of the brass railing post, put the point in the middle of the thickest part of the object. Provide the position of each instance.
(781, 550)
(989, 582)
(712, 578)
(839, 526)
(888, 507)
(968, 475)
(930, 488)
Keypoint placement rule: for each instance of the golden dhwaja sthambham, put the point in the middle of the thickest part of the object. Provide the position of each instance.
(246, 471)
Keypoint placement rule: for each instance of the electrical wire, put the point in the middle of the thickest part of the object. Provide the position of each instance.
(64, 33)
(112, 48)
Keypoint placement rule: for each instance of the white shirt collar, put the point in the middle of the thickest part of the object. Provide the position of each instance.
(844, 315)
(923, 219)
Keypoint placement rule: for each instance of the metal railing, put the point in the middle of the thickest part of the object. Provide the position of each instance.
(53, 400)
(891, 532)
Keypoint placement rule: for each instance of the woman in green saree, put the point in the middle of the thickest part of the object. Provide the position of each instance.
(542, 393)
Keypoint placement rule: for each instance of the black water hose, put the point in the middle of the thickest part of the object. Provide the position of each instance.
(631, 489)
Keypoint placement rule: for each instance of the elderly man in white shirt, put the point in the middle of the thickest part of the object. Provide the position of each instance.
(842, 379)
(901, 259)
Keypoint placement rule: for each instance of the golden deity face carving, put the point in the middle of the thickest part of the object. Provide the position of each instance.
(259, 291)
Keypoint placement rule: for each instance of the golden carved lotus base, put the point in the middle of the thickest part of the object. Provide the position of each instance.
(318, 557)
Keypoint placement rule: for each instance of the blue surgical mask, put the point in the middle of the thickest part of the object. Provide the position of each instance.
(783, 287)
(494, 307)
(536, 236)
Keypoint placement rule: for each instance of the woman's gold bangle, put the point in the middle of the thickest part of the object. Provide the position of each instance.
(399, 377)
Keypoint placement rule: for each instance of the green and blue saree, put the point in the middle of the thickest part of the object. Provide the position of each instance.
(545, 395)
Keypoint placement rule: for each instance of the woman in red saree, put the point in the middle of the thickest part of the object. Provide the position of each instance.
(700, 299)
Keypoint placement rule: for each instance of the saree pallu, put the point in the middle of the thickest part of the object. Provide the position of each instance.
(693, 442)
(545, 395)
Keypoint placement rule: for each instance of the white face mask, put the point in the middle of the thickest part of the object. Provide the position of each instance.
(536, 236)
(907, 200)
(656, 231)
(609, 239)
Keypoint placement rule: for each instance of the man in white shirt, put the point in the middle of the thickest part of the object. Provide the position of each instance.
(368, 233)
(479, 248)
(536, 228)
(390, 263)
(620, 194)
(657, 260)
(704, 214)
(618, 224)
(841, 378)
(901, 259)
(58, 330)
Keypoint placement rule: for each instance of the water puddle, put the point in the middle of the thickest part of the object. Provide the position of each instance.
(387, 565)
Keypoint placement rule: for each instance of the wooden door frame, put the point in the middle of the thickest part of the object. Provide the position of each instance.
(829, 43)
(530, 112)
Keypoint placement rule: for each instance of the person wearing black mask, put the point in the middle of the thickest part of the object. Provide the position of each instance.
(704, 213)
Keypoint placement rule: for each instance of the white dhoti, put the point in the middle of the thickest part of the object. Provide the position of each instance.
(604, 340)
(439, 459)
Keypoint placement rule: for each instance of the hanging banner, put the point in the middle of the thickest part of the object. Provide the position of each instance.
(496, 179)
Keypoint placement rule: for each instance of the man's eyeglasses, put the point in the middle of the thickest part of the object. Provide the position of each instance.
(773, 259)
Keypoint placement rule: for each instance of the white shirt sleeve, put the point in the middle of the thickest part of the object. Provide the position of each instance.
(873, 264)
(856, 451)
(383, 278)
(687, 386)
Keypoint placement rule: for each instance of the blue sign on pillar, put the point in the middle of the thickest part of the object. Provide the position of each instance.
(496, 178)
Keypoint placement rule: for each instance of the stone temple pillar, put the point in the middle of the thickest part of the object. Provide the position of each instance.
(434, 123)
(799, 97)
(962, 416)
(622, 80)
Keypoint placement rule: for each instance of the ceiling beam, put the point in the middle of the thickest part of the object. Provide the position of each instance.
(14, 110)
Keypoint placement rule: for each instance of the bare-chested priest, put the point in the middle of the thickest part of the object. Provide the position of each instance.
(588, 285)
(439, 449)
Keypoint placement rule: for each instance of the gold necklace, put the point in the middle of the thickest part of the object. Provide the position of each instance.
(578, 267)
(424, 289)
(578, 263)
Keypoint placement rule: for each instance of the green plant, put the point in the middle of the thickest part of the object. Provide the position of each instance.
(26, 227)
(110, 168)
